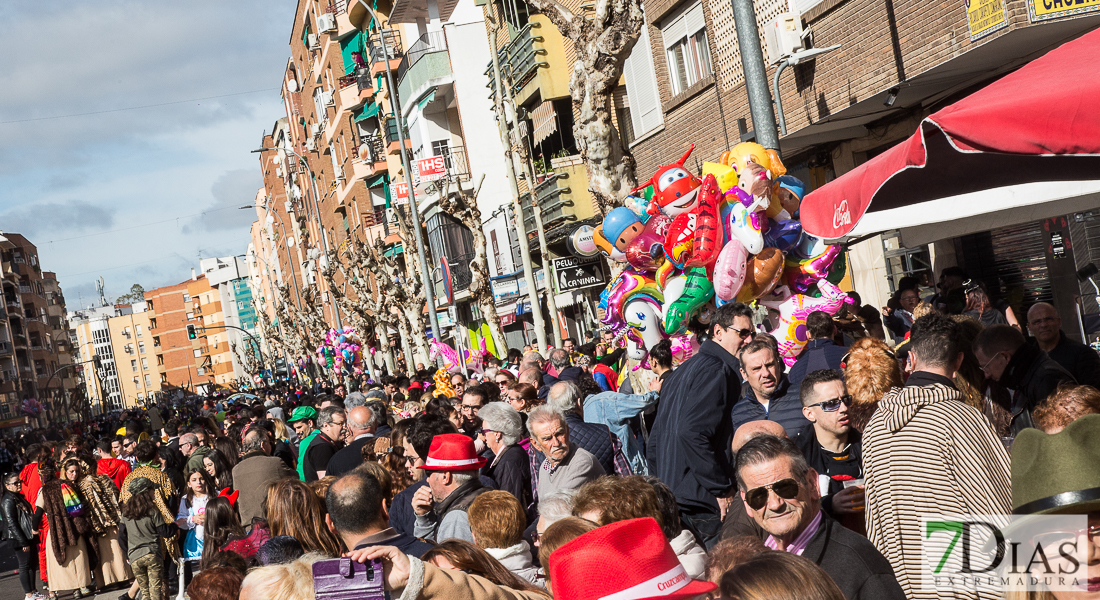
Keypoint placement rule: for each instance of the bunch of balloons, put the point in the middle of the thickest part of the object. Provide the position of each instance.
(342, 351)
(692, 244)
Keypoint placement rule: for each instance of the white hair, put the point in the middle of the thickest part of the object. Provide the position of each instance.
(556, 507)
(543, 414)
(502, 418)
(564, 396)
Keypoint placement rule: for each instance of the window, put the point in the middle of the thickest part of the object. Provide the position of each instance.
(186, 297)
(133, 366)
(129, 349)
(145, 364)
(141, 396)
(443, 148)
(141, 347)
(138, 330)
(641, 87)
(190, 316)
(685, 38)
(160, 359)
(137, 381)
(126, 332)
(148, 381)
(152, 322)
(200, 371)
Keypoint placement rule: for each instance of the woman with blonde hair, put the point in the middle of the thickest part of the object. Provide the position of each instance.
(292, 508)
(775, 575)
(286, 581)
(870, 370)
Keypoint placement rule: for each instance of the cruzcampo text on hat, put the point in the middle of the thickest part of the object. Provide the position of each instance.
(302, 413)
(1059, 473)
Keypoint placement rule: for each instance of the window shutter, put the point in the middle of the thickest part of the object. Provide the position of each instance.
(641, 87)
(694, 19)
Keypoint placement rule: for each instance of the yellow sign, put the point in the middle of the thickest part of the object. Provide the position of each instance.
(1041, 10)
(983, 17)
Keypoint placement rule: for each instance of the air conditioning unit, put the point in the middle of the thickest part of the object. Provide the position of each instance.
(312, 42)
(328, 98)
(784, 36)
(316, 129)
(339, 171)
(311, 145)
(326, 23)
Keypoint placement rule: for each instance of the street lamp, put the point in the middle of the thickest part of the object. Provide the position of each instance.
(391, 92)
(286, 241)
(790, 61)
(316, 215)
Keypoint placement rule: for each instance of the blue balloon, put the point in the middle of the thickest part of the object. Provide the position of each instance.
(782, 236)
(616, 222)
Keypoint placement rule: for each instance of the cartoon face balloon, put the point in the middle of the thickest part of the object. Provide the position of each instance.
(621, 226)
(675, 190)
(762, 273)
(644, 316)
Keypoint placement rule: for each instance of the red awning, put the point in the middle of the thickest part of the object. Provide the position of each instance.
(1038, 124)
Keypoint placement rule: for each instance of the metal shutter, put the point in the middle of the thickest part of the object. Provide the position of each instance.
(641, 86)
(1011, 261)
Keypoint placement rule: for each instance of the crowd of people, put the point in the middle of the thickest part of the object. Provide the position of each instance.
(583, 474)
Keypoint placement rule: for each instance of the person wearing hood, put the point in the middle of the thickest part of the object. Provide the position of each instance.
(1023, 368)
(926, 453)
(497, 522)
(114, 468)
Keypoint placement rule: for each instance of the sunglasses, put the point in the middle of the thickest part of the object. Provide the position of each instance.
(833, 405)
(743, 333)
(786, 489)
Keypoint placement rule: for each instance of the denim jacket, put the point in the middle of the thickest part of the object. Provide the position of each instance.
(614, 410)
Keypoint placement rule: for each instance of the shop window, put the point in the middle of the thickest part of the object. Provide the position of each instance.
(685, 38)
(905, 262)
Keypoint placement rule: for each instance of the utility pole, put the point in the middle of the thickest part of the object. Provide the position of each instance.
(756, 74)
(536, 210)
(521, 228)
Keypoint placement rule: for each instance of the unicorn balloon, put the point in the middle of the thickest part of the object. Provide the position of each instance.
(791, 332)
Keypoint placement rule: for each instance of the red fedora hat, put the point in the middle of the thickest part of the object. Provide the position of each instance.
(627, 560)
(452, 452)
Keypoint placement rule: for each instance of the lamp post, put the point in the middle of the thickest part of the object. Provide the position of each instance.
(316, 216)
(391, 91)
(286, 243)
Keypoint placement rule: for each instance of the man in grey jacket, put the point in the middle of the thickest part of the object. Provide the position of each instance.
(256, 469)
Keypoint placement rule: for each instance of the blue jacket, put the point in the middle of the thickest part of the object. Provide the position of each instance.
(818, 354)
(689, 447)
(615, 410)
(594, 437)
(785, 409)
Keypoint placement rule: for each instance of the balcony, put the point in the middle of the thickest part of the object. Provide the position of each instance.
(5, 348)
(391, 58)
(25, 289)
(563, 196)
(458, 168)
(427, 63)
(355, 88)
(392, 142)
(526, 61)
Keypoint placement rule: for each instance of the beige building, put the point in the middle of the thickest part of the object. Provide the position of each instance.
(120, 336)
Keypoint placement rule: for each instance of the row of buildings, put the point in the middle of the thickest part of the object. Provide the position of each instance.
(332, 165)
(143, 351)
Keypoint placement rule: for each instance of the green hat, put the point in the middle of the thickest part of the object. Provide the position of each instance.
(302, 413)
(141, 484)
(1059, 473)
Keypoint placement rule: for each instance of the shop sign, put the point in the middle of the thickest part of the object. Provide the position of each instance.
(431, 168)
(13, 422)
(401, 192)
(1043, 10)
(983, 17)
(578, 273)
(582, 242)
(445, 319)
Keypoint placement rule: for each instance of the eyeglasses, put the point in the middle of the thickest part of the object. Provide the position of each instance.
(786, 489)
(833, 405)
(484, 431)
(470, 407)
(743, 333)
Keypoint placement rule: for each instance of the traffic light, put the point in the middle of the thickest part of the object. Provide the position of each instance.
(191, 332)
(97, 361)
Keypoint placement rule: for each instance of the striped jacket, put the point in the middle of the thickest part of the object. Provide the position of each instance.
(926, 453)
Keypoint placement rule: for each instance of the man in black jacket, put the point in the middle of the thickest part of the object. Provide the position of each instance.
(361, 423)
(1022, 368)
(688, 448)
(1080, 360)
(821, 352)
(780, 492)
(766, 395)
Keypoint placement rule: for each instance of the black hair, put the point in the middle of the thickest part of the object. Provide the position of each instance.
(820, 325)
(145, 451)
(934, 338)
(280, 550)
(767, 447)
(661, 353)
(354, 502)
(806, 390)
(479, 391)
(426, 427)
(726, 313)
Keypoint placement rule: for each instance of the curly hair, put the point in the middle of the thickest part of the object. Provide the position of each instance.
(870, 370)
(617, 499)
(1067, 404)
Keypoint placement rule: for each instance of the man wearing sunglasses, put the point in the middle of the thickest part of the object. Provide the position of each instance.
(689, 444)
(780, 492)
(831, 446)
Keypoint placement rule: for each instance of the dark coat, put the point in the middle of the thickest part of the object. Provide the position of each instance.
(512, 473)
(594, 437)
(10, 506)
(1080, 360)
(785, 409)
(854, 564)
(689, 447)
(348, 457)
(818, 354)
(1032, 376)
(402, 517)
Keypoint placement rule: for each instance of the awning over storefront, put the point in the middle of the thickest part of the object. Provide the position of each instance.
(985, 153)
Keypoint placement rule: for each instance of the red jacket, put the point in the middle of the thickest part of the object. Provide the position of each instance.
(32, 484)
(115, 468)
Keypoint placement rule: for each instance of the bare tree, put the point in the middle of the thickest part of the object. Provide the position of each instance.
(463, 206)
(603, 41)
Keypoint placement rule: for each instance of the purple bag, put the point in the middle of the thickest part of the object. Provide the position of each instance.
(345, 579)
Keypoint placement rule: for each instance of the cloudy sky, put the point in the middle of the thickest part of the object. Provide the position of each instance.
(135, 195)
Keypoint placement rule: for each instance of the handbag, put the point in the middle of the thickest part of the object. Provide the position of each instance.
(345, 579)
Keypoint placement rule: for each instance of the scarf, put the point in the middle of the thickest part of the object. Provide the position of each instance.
(302, 447)
(66, 529)
(101, 501)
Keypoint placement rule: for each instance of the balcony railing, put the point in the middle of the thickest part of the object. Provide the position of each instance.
(518, 60)
(391, 131)
(393, 45)
(457, 165)
(461, 276)
(552, 203)
(433, 41)
(338, 7)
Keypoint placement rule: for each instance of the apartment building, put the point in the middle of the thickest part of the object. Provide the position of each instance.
(181, 362)
(885, 66)
(121, 337)
(228, 277)
(30, 353)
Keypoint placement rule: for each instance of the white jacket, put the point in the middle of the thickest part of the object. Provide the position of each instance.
(517, 559)
(692, 556)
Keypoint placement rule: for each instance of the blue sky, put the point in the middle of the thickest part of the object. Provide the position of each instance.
(135, 196)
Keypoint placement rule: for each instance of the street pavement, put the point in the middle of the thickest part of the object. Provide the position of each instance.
(9, 580)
